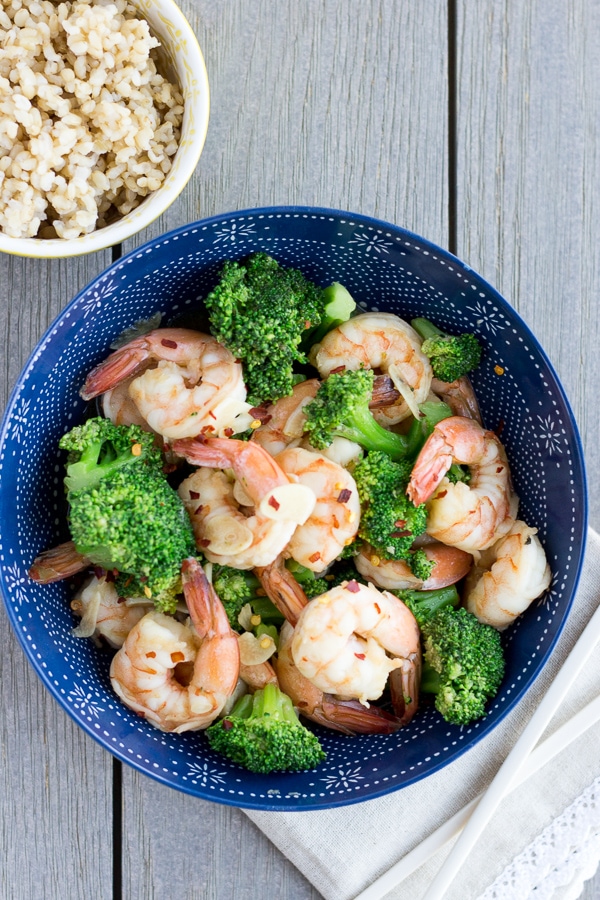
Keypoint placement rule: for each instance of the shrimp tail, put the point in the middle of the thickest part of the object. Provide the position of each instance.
(352, 717)
(282, 589)
(218, 659)
(216, 453)
(434, 460)
(57, 564)
(404, 689)
(206, 610)
(123, 363)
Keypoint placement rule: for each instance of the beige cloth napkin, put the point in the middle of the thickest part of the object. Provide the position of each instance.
(342, 851)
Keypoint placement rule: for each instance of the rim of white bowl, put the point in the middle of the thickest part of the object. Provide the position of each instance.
(157, 202)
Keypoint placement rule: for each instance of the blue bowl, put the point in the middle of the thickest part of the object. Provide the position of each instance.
(386, 268)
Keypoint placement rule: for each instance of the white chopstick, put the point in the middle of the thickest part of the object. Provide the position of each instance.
(507, 772)
(542, 754)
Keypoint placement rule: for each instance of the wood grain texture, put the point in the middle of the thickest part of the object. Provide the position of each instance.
(55, 782)
(528, 185)
(528, 179)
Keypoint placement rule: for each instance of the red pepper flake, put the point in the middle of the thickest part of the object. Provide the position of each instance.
(143, 578)
(204, 543)
(499, 469)
(400, 523)
(177, 657)
(150, 654)
(400, 534)
(206, 429)
(344, 496)
(441, 494)
(198, 509)
(260, 413)
(194, 495)
(227, 724)
(121, 599)
(315, 557)
(353, 586)
(274, 503)
(167, 343)
(338, 369)
(212, 415)
(228, 432)
(377, 607)
(99, 572)
(360, 655)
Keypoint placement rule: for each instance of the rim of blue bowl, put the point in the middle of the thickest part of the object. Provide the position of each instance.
(370, 221)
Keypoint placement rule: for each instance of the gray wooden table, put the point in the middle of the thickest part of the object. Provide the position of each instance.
(472, 122)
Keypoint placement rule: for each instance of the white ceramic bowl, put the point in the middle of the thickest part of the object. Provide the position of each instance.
(180, 48)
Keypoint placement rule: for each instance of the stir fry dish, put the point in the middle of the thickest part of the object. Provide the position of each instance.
(297, 517)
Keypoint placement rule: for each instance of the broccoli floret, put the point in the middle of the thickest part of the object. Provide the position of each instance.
(425, 604)
(389, 521)
(98, 449)
(262, 733)
(235, 588)
(341, 409)
(123, 513)
(451, 356)
(260, 311)
(165, 600)
(463, 664)
(338, 306)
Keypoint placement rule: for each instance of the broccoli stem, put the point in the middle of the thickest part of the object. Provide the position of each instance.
(426, 329)
(242, 709)
(338, 307)
(432, 413)
(362, 428)
(272, 702)
(91, 468)
(425, 604)
(430, 679)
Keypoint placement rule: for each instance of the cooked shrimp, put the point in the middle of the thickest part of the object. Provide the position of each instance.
(222, 531)
(334, 521)
(144, 671)
(186, 383)
(449, 565)
(383, 342)
(508, 577)
(58, 563)
(258, 675)
(283, 423)
(469, 516)
(342, 640)
(103, 613)
(118, 406)
(347, 716)
(460, 397)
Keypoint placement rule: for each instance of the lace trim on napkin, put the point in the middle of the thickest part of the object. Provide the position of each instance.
(564, 855)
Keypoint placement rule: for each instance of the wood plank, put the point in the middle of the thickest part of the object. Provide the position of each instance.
(55, 782)
(528, 176)
(320, 103)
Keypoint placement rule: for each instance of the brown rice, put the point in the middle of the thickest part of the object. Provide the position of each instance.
(88, 126)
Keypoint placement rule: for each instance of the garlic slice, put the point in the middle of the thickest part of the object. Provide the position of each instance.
(288, 503)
